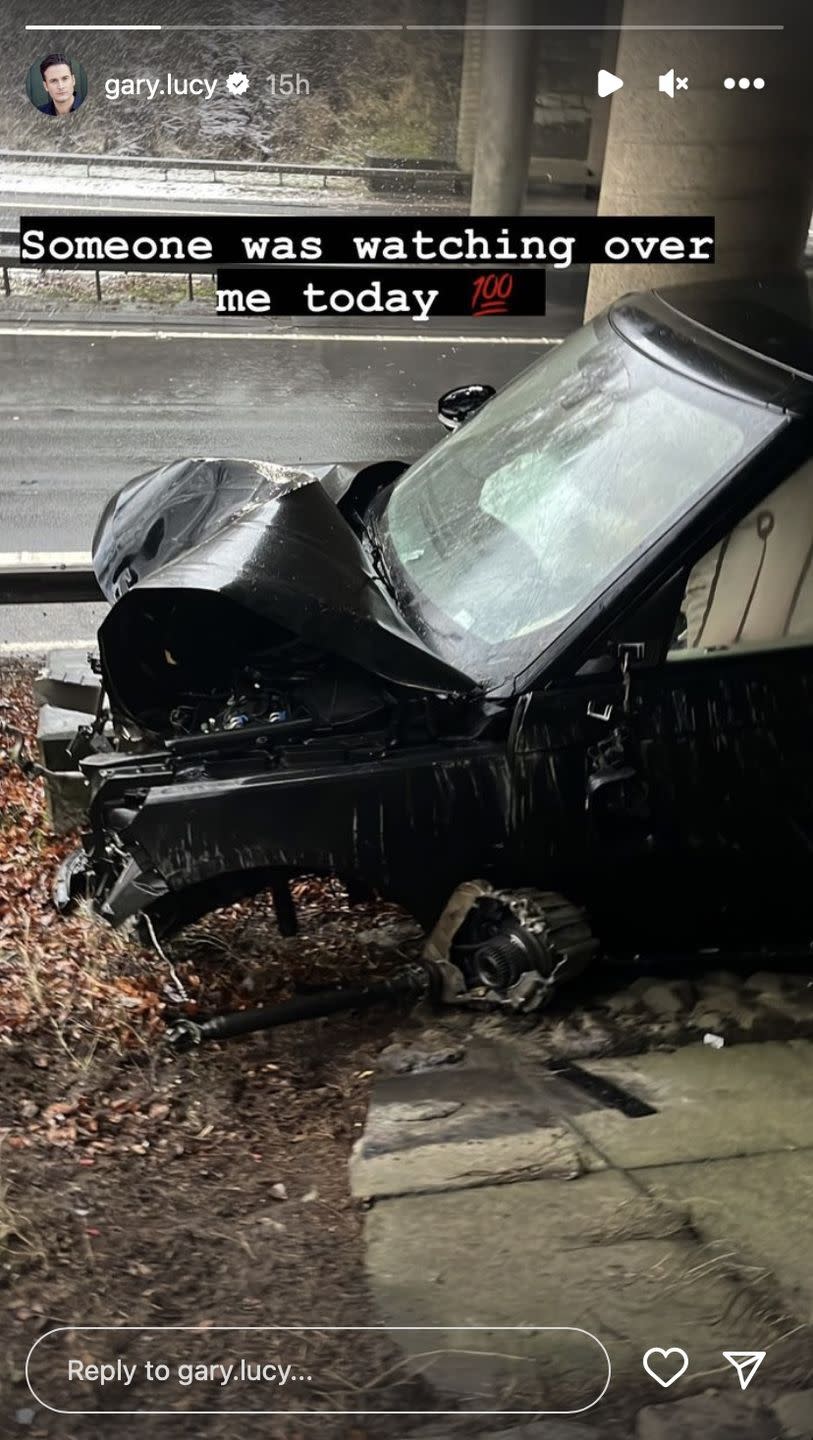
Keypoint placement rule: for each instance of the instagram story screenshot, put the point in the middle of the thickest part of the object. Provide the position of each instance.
(406, 720)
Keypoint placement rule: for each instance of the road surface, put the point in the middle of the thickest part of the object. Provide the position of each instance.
(85, 406)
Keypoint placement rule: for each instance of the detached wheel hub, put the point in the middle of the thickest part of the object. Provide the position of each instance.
(520, 945)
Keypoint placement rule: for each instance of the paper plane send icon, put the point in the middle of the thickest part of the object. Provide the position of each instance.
(608, 82)
(746, 1363)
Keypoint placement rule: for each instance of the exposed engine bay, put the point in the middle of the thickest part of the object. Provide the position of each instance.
(206, 694)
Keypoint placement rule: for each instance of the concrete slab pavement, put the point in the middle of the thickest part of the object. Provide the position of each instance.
(759, 1206)
(685, 1227)
(742, 1100)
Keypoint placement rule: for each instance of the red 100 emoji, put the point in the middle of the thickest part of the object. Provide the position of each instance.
(490, 294)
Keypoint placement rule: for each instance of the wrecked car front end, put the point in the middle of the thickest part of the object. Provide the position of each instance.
(175, 835)
(479, 668)
(272, 712)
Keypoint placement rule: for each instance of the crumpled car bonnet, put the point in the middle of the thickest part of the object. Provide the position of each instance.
(236, 556)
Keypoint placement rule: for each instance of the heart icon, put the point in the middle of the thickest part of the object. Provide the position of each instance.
(675, 1363)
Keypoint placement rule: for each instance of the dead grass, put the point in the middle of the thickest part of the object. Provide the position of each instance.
(642, 1217)
(17, 1234)
(117, 288)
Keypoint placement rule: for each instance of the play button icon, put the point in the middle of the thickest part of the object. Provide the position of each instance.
(608, 82)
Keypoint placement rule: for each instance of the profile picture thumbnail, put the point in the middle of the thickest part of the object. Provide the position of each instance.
(57, 84)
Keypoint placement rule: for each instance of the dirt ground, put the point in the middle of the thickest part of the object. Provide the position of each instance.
(138, 1187)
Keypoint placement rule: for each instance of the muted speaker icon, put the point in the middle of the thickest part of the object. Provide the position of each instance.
(669, 83)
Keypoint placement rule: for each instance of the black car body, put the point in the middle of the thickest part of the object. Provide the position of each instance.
(480, 665)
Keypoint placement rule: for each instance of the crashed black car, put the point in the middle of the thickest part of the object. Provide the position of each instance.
(566, 654)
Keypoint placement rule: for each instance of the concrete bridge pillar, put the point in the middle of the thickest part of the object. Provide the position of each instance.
(505, 118)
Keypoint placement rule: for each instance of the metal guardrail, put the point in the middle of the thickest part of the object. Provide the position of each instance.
(10, 240)
(41, 579)
(280, 168)
(398, 175)
(7, 240)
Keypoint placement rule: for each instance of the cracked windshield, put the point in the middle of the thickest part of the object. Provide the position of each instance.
(513, 526)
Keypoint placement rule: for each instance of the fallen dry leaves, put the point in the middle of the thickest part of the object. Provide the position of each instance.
(67, 975)
(74, 992)
(136, 1186)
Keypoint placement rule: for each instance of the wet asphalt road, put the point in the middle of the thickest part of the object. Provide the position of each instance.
(81, 412)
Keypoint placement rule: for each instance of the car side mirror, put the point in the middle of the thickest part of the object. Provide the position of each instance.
(461, 403)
